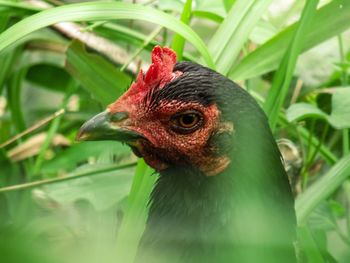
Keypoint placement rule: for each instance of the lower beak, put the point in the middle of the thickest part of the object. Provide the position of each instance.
(100, 127)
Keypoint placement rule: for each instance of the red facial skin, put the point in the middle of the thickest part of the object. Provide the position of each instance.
(162, 142)
(181, 149)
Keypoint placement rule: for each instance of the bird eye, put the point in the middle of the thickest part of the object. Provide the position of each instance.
(186, 122)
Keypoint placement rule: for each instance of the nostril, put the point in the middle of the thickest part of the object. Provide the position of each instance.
(119, 116)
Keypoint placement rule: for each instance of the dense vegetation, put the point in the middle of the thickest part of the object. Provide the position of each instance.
(64, 201)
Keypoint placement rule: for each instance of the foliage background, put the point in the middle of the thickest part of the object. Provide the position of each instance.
(62, 201)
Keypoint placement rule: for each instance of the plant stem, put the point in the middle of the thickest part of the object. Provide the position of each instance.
(72, 86)
(343, 78)
(65, 178)
(153, 34)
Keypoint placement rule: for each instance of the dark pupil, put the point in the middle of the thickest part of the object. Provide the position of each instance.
(188, 119)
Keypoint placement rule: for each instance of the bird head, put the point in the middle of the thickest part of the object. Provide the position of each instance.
(169, 116)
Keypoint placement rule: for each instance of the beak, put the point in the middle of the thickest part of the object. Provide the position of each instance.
(104, 126)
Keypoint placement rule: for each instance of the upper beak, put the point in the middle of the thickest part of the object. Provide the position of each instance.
(104, 126)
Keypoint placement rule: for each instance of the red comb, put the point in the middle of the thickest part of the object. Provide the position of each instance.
(160, 71)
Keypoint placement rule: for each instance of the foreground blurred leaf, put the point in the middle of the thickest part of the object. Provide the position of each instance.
(234, 31)
(136, 212)
(101, 78)
(102, 190)
(329, 21)
(99, 11)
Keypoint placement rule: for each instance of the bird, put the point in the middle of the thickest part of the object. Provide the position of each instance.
(222, 193)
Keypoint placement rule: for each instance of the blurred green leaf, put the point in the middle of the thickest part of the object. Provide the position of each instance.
(322, 188)
(100, 77)
(103, 190)
(322, 218)
(178, 43)
(338, 210)
(174, 5)
(228, 4)
(7, 60)
(329, 21)
(19, 5)
(301, 111)
(283, 77)
(234, 31)
(48, 76)
(136, 212)
(339, 117)
(99, 11)
(309, 246)
(69, 158)
(262, 32)
(213, 6)
(208, 15)
(14, 95)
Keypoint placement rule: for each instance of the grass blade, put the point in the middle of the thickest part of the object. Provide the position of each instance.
(178, 40)
(322, 188)
(19, 5)
(72, 86)
(330, 20)
(308, 245)
(89, 172)
(230, 37)
(101, 11)
(98, 76)
(284, 74)
(136, 212)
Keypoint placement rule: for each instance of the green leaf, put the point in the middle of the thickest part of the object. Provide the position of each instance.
(322, 189)
(234, 31)
(213, 6)
(48, 76)
(322, 218)
(14, 98)
(208, 15)
(100, 11)
(304, 134)
(284, 74)
(178, 40)
(19, 5)
(329, 21)
(103, 189)
(7, 61)
(302, 111)
(100, 77)
(228, 4)
(340, 115)
(263, 31)
(309, 245)
(77, 153)
(136, 212)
